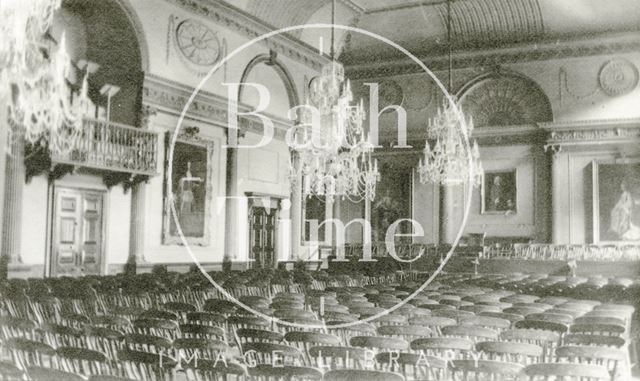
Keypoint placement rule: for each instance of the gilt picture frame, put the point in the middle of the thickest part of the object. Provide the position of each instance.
(616, 202)
(499, 192)
(190, 190)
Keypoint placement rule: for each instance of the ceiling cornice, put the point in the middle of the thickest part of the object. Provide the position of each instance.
(610, 44)
(242, 22)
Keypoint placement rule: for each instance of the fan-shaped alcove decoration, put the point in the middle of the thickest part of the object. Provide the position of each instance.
(501, 99)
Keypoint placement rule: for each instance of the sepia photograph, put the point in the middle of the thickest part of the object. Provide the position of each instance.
(319, 190)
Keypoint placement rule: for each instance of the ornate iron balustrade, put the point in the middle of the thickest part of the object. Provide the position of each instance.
(114, 147)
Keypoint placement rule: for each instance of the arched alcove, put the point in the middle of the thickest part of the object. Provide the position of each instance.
(266, 70)
(504, 99)
(104, 32)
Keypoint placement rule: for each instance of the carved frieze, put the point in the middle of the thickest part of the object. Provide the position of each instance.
(170, 96)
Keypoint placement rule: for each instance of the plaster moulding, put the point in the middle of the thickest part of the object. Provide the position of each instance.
(171, 97)
(227, 16)
(525, 52)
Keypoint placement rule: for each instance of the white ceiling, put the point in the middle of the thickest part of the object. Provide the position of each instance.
(420, 25)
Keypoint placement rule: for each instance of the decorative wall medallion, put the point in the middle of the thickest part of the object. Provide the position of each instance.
(198, 43)
(618, 77)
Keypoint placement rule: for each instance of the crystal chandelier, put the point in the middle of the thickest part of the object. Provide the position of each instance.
(448, 162)
(332, 154)
(33, 73)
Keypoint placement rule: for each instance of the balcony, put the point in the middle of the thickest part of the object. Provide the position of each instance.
(113, 147)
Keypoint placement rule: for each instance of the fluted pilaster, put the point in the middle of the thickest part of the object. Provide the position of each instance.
(13, 190)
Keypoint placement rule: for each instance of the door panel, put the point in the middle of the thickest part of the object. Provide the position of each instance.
(262, 236)
(77, 247)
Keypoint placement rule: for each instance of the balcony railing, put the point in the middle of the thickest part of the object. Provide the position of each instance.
(115, 147)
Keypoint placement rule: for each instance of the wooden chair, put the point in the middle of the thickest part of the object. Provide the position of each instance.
(58, 335)
(145, 366)
(413, 366)
(206, 318)
(201, 348)
(251, 335)
(267, 353)
(25, 352)
(240, 321)
(379, 343)
(443, 346)
(542, 325)
(214, 370)
(84, 361)
(337, 357)
(471, 370)
(615, 360)
(147, 343)
(305, 340)
(521, 353)
(406, 332)
(361, 375)
(470, 332)
(157, 327)
(346, 333)
(487, 322)
(565, 371)
(36, 373)
(548, 340)
(267, 372)
(203, 331)
(503, 315)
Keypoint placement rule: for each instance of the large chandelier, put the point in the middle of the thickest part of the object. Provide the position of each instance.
(333, 155)
(448, 162)
(33, 74)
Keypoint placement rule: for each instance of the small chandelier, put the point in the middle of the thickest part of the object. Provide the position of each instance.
(448, 161)
(333, 154)
(33, 73)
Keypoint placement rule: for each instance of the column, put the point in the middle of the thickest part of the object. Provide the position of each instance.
(451, 209)
(231, 208)
(296, 211)
(138, 206)
(335, 214)
(560, 190)
(4, 132)
(14, 187)
(137, 227)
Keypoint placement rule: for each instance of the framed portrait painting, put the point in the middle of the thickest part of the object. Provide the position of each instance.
(616, 202)
(191, 191)
(393, 201)
(499, 192)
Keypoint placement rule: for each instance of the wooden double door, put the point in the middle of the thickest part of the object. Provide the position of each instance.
(262, 236)
(77, 232)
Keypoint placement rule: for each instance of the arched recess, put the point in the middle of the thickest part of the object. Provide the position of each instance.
(272, 61)
(108, 33)
(504, 99)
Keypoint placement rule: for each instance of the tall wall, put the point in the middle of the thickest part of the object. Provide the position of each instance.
(170, 78)
(591, 97)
